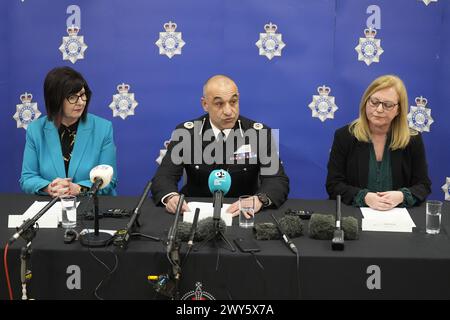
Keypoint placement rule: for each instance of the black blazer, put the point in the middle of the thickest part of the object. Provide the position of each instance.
(348, 167)
(246, 178)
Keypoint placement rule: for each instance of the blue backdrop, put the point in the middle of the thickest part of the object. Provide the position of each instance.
(220, 36)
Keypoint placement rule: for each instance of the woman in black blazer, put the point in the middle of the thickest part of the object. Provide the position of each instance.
(377, 160)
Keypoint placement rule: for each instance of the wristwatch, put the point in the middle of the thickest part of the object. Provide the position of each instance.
(264, 199)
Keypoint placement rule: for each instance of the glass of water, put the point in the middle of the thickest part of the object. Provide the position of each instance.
(433, 218)
(69, 211)
(246, 211)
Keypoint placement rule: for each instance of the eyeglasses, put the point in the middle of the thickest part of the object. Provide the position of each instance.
(387, 105)
(74, 98)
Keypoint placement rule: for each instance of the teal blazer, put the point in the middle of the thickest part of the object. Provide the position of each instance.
(43, 161)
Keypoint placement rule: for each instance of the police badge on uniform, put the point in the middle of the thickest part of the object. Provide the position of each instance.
(419, 117)
(73, 46)
(322, 105)
(369, 49)
(27, 111)
(270, 43)
(427, 2)
(446, 188)
(123, 104)
(170, 42)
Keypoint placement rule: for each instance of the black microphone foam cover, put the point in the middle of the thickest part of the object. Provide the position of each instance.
(206, 228)
(350, 227)
(184, 231)
(292, 226)
(266, 231)
(321, 226)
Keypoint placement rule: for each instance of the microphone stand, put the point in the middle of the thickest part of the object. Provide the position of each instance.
(96, 239)
(28, 232)
(217, 204)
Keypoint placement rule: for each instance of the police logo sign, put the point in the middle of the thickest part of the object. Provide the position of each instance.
(270, 43)
(197, 294)
(73, 46)
(123, 104)
(27, 111)
(170, 42)
(369, 49)
(419, 117)
(322, 105)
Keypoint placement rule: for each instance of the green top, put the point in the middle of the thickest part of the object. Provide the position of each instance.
(380, 179)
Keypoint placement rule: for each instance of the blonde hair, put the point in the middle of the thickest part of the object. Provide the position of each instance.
(401, 133)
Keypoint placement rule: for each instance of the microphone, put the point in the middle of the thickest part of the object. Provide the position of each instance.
(292, 225)
(194, 227)
(100, 176)
(123, 236)
(29, 223)
(173, 230)
(219, 183)
(322, 226)
(285, 238)
(337, 243)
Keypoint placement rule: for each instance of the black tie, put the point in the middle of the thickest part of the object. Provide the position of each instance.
(221, 139)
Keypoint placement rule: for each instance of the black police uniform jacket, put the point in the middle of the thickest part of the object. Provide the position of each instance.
(246, 178)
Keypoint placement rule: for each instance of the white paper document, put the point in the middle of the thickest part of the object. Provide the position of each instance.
(207, 210)
(50, 219)
(394, 220)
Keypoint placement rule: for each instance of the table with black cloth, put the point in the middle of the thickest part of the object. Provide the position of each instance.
(407, 265)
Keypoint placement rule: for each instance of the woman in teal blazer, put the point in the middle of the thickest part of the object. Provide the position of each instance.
(63, 147)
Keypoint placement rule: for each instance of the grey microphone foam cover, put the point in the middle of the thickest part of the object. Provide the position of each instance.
(292, 226)
(206, 228)
(350, 227)
(321, 226)
(184, 231)
(266, 231)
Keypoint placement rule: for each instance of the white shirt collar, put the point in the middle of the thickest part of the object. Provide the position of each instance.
(217, 130)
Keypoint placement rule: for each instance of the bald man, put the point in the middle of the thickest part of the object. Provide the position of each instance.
(221, 139)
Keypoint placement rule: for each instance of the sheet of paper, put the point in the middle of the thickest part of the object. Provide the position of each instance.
(207, 210)
(394, 220)
(50, 219)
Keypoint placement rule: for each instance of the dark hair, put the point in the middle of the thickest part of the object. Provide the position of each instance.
(60, 83)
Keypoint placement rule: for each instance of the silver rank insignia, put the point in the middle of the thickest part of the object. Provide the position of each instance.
(419, 117)
(170, 42)
(427, 2)
(323, 106)
(446, 188)
(27, 111)
(369, 48)
(123, 104)
(270, 43)
(73, 46)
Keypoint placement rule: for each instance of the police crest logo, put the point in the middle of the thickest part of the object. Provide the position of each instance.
(123, 103)
(446, 189)
(369, 48)
(322, 105)
(270, 43)
(73, 46)
(27, 111)
(427, 2)
(198, 294)
(419, 117)
(170, 42)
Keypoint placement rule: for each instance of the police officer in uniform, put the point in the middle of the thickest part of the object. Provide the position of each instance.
(222, 139)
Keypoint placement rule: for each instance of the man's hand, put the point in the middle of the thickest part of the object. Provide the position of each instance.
(171, 205)
(383, 200)
(234, 208)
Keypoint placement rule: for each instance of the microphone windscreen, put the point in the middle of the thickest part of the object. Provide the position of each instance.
(350, 227)
(219, 180)
(104, 172)
(291, 225)
(321, 226)
(206, 228)
(266, 231)
(184, 231)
